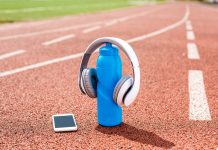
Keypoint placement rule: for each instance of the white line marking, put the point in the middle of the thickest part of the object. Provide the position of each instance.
(190, 35)
(125, 19)
(170, 27)
(32, 24)
(188, 27)
(4, 56)
(192, 51)
(60, 39)
(91, 29)
(188, 22)
(111, 23)
(47, 31)
(56, 60)
(198, 106)
(122, 19)
(41, 64)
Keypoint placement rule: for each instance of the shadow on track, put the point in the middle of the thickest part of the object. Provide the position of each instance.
(134, 134)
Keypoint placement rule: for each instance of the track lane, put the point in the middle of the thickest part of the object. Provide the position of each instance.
(162, 121)
(159, 118)
(39, 53)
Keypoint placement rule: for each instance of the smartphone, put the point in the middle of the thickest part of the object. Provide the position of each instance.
(64, 122)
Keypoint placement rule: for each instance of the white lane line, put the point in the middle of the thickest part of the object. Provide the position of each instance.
(47, 31)
(188, 22)
(34, 23)
(198, 105)
(170, 27)
(7, 55)
(91, 29)
(189, 27)
(56, 60)
(111, 23)
(190, 35)
(192, 51)
(122, 19)
(57, 40)
(41, 64)
(125, 18)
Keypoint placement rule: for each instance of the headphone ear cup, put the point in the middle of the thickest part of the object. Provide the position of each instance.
(89, 82)
(122, 88)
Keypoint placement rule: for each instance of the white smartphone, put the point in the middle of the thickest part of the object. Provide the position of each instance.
(64, 122)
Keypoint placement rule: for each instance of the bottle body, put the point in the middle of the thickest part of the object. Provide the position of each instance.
(109, 72)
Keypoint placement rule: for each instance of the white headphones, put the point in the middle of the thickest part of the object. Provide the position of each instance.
(126, 89)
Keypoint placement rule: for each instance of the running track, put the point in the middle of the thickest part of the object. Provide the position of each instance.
(177, 105)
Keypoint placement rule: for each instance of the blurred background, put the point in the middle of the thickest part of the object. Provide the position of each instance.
(25, 10)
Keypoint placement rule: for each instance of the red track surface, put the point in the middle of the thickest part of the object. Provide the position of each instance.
(159, 119)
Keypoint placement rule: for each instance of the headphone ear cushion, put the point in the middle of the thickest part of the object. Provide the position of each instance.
(121, 89)
(89, 82)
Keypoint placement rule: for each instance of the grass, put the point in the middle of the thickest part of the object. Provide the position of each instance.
(24, 10)
(20, 10)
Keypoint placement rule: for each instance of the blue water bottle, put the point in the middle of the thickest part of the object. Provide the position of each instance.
(109, 71)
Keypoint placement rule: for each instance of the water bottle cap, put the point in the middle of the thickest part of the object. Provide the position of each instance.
(108, 49)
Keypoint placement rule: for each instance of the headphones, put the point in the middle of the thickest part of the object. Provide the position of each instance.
(126, 89)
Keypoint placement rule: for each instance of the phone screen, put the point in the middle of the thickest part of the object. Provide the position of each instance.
(64, 121)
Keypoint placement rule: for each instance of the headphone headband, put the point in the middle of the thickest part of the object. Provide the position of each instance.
(127, 49)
